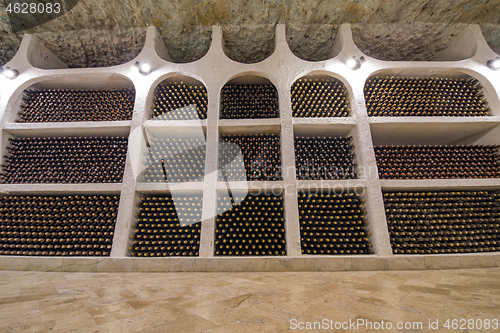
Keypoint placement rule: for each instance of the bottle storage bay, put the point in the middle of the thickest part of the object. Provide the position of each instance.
(280, 165)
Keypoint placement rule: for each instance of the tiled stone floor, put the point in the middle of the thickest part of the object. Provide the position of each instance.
(242, 302)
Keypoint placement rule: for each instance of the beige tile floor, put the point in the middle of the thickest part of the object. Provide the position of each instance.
(243, 302)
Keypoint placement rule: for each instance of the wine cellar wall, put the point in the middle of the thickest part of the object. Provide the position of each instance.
(281, 165)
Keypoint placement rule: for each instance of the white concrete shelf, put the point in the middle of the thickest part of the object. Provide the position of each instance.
(335, 186)
(159, 188)
(54, 189)
(440, 184)
(249, 122)
(431, 120)
(98, 128)
(251, 186)
(440, 132)
(282, 69)
(324, 121)
(249, 126)
(253, 264)
(175, 123)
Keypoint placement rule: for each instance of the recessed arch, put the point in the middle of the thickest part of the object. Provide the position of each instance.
(416, 41)
(249, 44)
(312, 42)
(187, 43)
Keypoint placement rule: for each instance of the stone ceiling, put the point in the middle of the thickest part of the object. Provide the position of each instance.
(98, 33)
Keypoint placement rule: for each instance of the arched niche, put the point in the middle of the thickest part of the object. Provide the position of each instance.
(319, 95)
(313, 42)
(429, 92)
(179, 97)
(248, 44)
(249, 97)
(185, 44)
(59, 98)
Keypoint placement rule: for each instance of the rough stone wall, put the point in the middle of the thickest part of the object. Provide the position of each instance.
(8, 48)
(248, 43)
(311, 25)
(4, 59)
(415, 41)
(491, 33)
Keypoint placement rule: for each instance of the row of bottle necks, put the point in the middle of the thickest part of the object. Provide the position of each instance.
(251, 225)
(102, 160)
(384, 96)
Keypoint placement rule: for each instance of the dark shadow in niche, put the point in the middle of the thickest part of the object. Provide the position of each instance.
(248, 44)
(491, 33)
(95, 48)
(418, 41)
(187, 44)
(312, 42)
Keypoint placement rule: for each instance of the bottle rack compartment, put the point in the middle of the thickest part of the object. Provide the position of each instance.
(433, 222)
(71, 225)
(250, 225)
(425, 96)
(333, 224)
(165, 226)
(63, 160)
(65, 105)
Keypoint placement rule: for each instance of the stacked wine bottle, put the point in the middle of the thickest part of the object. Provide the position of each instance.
(443, 222)
(251, 225)
(64, 105)
(159, 232)
(74, 225)
(242, 101)
(428, 96)
(261, 156)
(423, 162)
(324, 158)
(319, 98)
(175, 160)
(65, 160)
(178, 101)
(333, 224)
